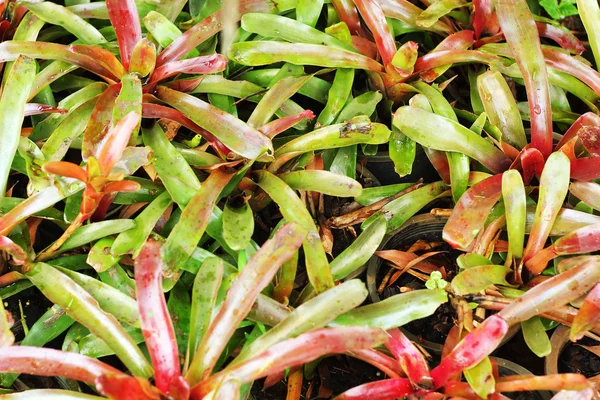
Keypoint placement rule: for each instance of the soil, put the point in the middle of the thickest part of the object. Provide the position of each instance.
(577, 359)
(434, 328)
(334, 376)
(517, 351)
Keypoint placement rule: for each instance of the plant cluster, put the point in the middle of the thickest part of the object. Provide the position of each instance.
(183, 184)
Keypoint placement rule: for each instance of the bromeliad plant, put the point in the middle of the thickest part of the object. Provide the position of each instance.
(202, 155)
(205, 345)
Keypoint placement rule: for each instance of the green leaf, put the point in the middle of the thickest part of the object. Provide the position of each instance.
(476, 279)
(558, 11)
(132, 240)
(314, 314)
(400, 210)
(357, 130)
(177, 176)
(12, 108)
(100, 257)
(195, 217)
(179, 306)
(204, 296)
(111, 300)
(240, 137)
(395, 311)
(238, 225)
(58, 15)
(536, 337)
(50, 325)
(421, 126)
(513, 194)
(97, 230)
(81, 306)
(325, 182)
(469, 260)
(481, 378)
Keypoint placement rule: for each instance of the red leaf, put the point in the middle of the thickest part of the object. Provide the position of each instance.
(411, 360)
(157, 326)
(590, 136)
(585, 169)
(375, 19)
(587, 119)
(379, 390)
(468, 217)
(123, 387)
(532, 162)
(485, 18)
(66, 169)
(103, 206)
(347, 13)
(197, 65)
(124, 17)
(364, 46)
(439, 160)
(121, 186)
(477, 345)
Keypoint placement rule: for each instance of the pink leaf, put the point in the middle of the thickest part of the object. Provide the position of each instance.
(50, 362)
(412, 361)
(255, 276)
(484, 18)
(477, 345)
(386, 364)
(279, 125)
(379, 390)
(294, 352)
(468, 217)
(553, 293)
(111, 149)
(375, 20)
(37, 109)
(207, 28)
(565, 39)
(566, 63)
(588, 315)
(197, 65)
(157, 326)
(19, 256)
(124, 17)
(150, 110)
(523, 39)
(585, 169)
